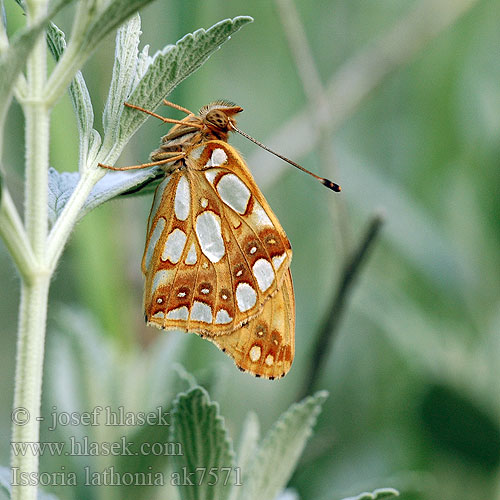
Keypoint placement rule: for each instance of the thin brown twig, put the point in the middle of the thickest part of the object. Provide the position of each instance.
(330, 325)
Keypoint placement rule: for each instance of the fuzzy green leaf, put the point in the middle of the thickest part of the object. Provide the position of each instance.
(56, 40)
(80, 98)
(172, 65)
(276, 458)
(123, 79)
(60, 188)
(207, 450)
(377, 494)
(61, 185)
(14, 58)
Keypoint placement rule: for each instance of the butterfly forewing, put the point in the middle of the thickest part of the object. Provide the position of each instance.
(215, 253)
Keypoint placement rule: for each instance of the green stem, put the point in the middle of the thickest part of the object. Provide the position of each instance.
(15, 237)
(29, 370)
(74, 55)
(35, 289)
(37, 168)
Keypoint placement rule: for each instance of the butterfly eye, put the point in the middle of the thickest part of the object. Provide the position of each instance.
(218, 119)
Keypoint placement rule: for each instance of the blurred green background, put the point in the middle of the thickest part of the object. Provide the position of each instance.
(414, 371)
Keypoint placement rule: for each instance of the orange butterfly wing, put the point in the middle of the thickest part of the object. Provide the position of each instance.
(265, 346)
(215, 252)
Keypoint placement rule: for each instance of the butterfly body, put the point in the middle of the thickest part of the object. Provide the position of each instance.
(216, 260)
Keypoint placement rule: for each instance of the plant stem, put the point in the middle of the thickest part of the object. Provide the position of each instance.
(37, 167)
(35, 289)
(15, 237)
(74, 56)
(29, 370)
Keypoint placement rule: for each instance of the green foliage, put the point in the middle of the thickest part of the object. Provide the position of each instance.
(274, 460)
(207, 456)
(107, 19)
(5, 475)
(376, 495)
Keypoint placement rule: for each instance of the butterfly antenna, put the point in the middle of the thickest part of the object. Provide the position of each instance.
(326, 182)
(163, 119)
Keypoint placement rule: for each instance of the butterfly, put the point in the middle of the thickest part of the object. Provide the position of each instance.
(216, 260)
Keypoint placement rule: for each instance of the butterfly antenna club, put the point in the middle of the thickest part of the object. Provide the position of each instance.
(326, 182)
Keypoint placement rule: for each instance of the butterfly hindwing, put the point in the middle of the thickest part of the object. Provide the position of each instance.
(265, 346)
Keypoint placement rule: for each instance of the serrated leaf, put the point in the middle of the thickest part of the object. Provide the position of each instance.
(172, 65)
(80, 97)
(14, 58)
(273, 463)
(377, 494)
(197, 425)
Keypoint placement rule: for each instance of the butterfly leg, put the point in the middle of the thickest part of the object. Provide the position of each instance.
(144, 165)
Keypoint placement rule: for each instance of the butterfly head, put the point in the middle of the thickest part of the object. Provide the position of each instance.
(218, 117)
